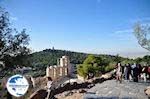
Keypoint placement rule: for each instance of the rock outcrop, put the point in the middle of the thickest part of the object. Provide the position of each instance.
(70, 86)
(111, 89)
(108, 75)
(147, 91)
(40, 94)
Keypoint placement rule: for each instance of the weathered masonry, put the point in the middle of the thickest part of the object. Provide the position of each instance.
(62, 68)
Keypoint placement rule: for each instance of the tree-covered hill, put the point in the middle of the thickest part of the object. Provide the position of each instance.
(50, 56)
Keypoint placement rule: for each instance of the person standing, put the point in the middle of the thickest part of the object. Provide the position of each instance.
(135, 73)
(144, 70)
(122, 70)
(126, 72)
(129, 71)
(119, 72)
(49, 88)
(140, 70)
(132, 68)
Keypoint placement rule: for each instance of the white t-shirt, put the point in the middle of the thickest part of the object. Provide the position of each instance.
(133, 66)
(49, 84)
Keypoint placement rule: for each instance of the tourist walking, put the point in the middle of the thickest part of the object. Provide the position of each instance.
(129, 72)
(49, 88)
(135, 73)
(140, 70)
(144, 71)
(126, 72)
(119, 72)
(132, 68)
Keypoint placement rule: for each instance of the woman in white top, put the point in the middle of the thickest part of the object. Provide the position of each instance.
(49, 87)
(119, 72)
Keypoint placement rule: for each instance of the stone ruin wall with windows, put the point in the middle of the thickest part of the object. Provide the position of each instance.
(60, 70)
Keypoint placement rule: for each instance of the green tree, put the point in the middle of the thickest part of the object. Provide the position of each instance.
(138, 60)
(13, 44)
(142, 33)
(91, 65)
(91, 59)
(81, 71)
(117, 58)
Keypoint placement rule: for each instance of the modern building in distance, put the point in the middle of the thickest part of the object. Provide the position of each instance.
(62, 69)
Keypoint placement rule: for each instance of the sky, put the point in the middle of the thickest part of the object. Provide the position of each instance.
(91, 26)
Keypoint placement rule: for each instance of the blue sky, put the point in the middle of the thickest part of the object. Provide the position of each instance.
(92, 26)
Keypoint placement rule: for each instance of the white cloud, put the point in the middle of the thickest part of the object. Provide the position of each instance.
(124, 31)
(126, 34)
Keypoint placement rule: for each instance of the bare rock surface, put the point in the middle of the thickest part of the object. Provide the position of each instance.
(40, 94)
(147, 91)
(111, 89)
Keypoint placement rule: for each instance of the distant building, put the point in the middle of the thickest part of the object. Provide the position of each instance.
(62, 68)
(53, 48)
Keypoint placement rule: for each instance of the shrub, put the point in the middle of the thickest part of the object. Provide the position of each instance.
(81, 71)
(109, 68)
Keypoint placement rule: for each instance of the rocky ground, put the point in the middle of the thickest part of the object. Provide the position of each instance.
(109, 89)
(71, 96)
(114, 90)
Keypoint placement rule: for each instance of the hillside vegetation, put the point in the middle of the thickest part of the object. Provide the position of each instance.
(50, 56)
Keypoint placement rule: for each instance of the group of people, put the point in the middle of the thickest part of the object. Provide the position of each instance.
(132, 72)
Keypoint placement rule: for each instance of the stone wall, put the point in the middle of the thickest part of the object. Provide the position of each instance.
(59, 70)
(56, 72)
